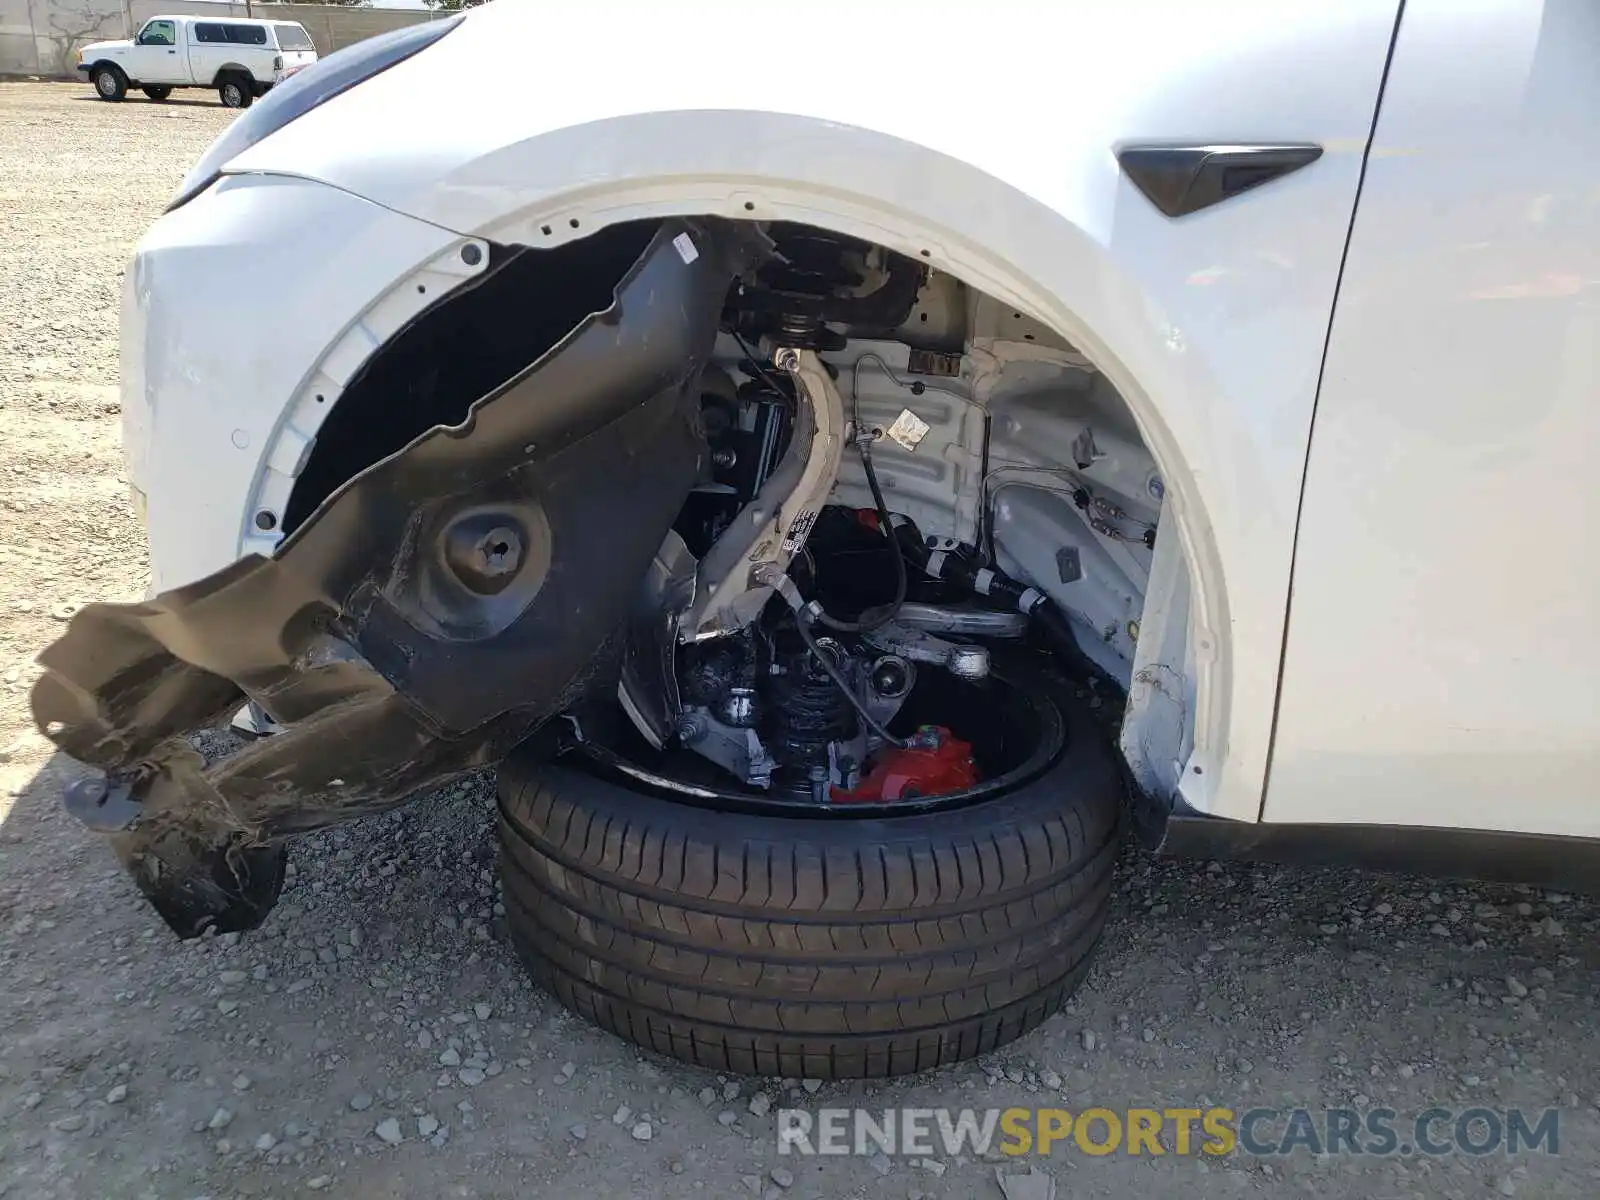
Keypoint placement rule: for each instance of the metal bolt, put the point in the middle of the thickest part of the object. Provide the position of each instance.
(500, 551)
(472, 254)
(786, 359)
(1157, 488)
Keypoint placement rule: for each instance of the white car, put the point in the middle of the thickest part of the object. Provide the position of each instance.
(785, 461)
(241, 59)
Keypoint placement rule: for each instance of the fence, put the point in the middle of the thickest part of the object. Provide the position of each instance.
(41, 37)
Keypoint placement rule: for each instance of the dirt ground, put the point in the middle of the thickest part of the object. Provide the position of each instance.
(381, 997)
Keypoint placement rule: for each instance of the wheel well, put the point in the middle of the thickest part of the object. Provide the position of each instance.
(459, 350)
(230, 71)
(105, 64)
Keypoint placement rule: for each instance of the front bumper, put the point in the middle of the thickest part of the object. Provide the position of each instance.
(420, 623)
(83, 69)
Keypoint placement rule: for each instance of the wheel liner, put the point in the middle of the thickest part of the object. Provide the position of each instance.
(400, 634)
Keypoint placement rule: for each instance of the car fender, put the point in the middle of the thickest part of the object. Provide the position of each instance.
(1005, 173)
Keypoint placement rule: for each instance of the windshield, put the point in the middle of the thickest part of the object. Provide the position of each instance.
(158, 33)
(293, 37)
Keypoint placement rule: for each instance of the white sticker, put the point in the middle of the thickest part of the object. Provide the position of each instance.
(982, 581)
(684, 245)
(909, 429)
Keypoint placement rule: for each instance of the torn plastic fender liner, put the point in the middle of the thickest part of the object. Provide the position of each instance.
(422, 622)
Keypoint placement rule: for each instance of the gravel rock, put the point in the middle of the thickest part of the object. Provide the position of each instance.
(579, 1132)
(641, 1132)
(427, 1125)
(360, 1102)
(782, 1176)
(388, 1130)
(220, 1120)
(760, 1104)
(117, 1094)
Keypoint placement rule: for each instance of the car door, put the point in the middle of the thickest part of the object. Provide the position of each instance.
(1442, 663)
(157, 56)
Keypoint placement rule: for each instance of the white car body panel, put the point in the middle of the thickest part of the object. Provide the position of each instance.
(1443, 665)
(205, 373)
(1211, 327)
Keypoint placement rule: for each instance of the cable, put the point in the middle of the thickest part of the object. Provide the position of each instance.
(761, 368)
(802, 621)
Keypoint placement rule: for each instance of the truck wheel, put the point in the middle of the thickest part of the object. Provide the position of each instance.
(825, 946)
(157, 92)
(110, 83)
(235, 92)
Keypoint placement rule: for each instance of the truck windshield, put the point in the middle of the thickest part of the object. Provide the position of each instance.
(293, 37)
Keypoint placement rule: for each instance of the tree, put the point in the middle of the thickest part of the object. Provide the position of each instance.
(340, 3)
(452, 5)
(71, 26)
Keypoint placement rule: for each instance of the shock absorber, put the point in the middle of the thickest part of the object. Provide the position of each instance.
(805, 715)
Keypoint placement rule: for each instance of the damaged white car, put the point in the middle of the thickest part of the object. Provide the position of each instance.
(842, 492)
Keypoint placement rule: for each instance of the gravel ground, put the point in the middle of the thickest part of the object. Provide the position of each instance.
(378, 1038)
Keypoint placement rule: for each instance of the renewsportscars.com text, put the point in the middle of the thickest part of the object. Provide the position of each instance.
(1260, 1132)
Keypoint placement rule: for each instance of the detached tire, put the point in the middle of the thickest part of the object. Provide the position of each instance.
(812, 947)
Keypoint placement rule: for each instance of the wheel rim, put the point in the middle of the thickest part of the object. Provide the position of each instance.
(232, 96)
(107, 83)
(1048, 742)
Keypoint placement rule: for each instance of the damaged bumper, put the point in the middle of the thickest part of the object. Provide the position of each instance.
(421, 623)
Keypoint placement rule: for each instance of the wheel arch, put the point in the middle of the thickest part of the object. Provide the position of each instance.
(228, 70)
(958, 219)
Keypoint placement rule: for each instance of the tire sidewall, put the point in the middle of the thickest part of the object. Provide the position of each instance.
(118, 83)
(1082, 777)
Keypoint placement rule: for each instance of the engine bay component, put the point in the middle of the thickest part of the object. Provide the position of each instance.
(815, 279)
(963, 619)
(770, 530)
(960, 659)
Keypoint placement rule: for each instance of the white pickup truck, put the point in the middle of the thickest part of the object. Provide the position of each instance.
(240, 58)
